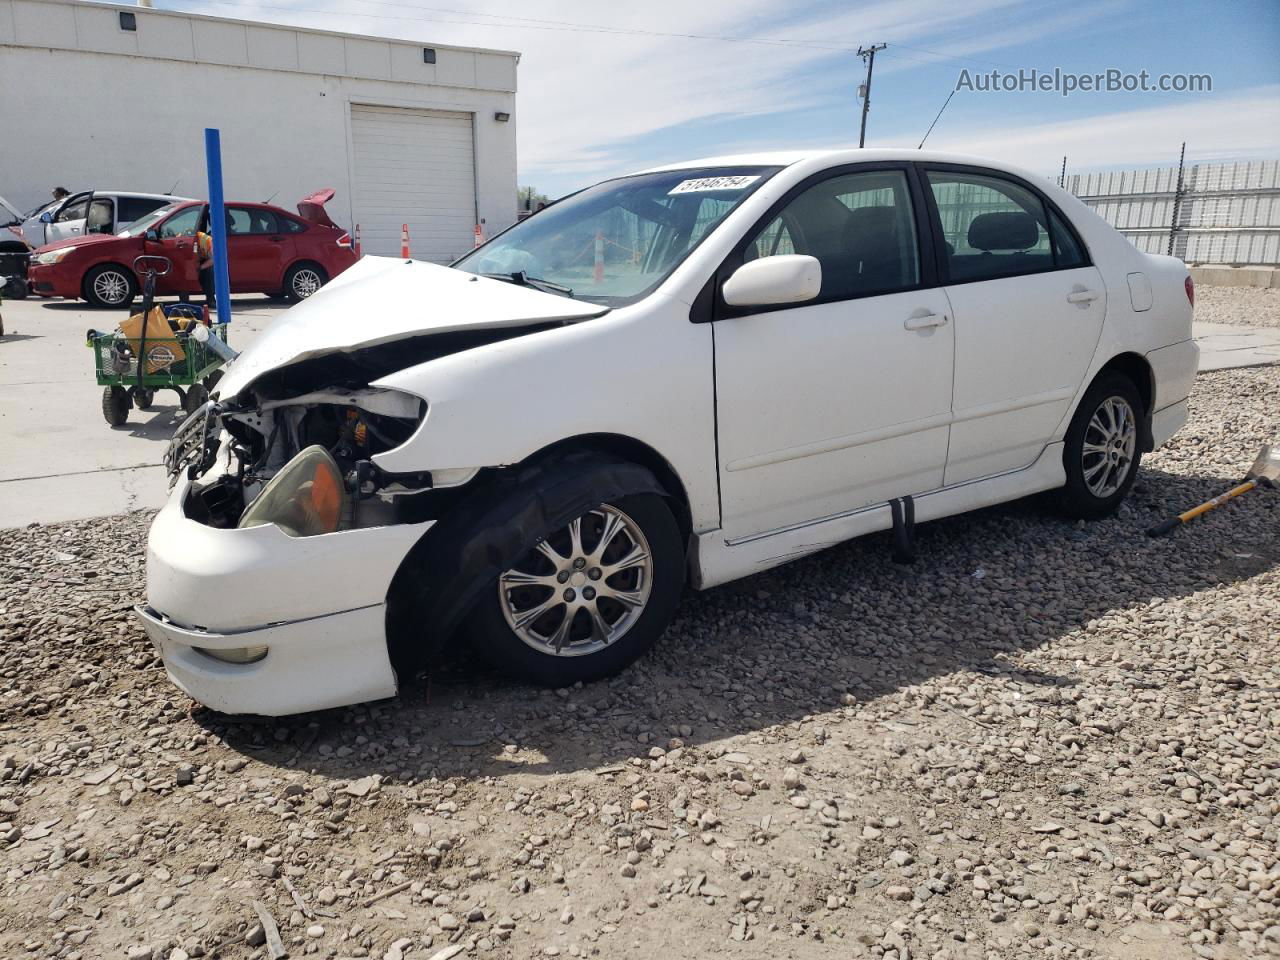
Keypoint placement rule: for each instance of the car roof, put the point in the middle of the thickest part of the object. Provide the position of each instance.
(823, 158)
(168, 198)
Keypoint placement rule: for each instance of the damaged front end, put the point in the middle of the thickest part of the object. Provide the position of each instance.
(304, 462)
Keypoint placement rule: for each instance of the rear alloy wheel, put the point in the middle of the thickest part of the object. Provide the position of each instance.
(587, 600)
(1101, 454)
(302, 280)
(109, 285)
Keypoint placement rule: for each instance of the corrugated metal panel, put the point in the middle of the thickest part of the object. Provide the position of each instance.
(1228, 213)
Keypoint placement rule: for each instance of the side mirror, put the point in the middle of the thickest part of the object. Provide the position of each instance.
(46, 217)
(153, 235)
(787, 278)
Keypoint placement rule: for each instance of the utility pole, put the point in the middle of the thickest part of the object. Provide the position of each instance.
(869, 55)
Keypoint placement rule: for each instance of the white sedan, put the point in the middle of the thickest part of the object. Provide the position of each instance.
(688, 375)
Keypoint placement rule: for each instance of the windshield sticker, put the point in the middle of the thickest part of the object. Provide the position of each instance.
(712, 183)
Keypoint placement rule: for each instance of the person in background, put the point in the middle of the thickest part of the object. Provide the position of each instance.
(204, 264)
(60, 193)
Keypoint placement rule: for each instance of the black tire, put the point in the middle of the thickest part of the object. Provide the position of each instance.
(211, 381)
(300, 280)
(494, 638)
(115, 405)
(196, 396)
(143, 397)
(109, 276)
(1078, 499)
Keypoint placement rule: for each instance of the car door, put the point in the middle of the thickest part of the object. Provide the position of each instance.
(844, 401)
(257, 250)
(174, 238)
(67, 221)
(1028, 310)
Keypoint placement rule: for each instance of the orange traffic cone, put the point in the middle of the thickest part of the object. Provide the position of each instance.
(404, 240)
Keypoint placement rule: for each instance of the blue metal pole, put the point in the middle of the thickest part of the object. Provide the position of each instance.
(218, 223)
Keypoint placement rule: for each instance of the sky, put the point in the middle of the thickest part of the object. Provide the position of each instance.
(606, 89)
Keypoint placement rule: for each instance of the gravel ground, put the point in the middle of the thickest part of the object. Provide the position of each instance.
(1244, 306)
(1043, 738)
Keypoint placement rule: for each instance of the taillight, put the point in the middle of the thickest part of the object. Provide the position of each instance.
(344, 241)
(1191, 290)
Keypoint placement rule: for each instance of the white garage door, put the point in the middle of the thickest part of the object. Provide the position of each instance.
(415, 167)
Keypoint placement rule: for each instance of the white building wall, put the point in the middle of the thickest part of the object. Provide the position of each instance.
(86, 105)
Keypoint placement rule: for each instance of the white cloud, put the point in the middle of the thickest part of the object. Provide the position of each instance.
(585, 98)
(1241, 126)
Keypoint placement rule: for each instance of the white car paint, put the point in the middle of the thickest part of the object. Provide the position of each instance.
(788, 430)
(67, 221)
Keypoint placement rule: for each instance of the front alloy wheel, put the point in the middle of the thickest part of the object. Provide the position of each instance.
(582, 588)
(109, 286)
(589, 598)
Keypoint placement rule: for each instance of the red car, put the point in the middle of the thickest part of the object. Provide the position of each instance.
(269, 251)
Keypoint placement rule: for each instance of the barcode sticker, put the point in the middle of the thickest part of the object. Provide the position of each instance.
(712, 183)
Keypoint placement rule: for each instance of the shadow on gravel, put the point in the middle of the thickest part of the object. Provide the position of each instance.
(783, 645)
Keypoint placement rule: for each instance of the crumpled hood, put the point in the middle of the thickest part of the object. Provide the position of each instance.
(383, 299)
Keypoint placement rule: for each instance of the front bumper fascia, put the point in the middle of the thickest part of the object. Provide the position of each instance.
(317, 603)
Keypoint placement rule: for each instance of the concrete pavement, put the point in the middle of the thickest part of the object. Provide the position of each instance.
(1225, 345)
(59, 460)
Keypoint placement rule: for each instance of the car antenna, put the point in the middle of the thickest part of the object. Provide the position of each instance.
(935, 120)
(272, 197)
(169, 192)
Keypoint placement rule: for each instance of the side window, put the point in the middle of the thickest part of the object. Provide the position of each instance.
(238, 221)
(290, 225)
(101, 216)
(1066, 249)
(991, 227)
(76, 210)
(182, 224)
(135, 208)
(262, 221)
(859, 226)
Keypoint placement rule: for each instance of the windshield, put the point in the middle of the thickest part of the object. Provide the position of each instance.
(139, 227)
(615, 242)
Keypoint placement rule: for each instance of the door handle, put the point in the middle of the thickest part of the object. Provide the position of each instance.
(1082, 296)
(926, 320)
(276, 239)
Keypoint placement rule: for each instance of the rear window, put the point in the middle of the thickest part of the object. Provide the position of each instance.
(130, 209)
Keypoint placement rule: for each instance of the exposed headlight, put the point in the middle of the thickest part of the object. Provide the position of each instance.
(235, 654)
(53, 256)
(304, 499)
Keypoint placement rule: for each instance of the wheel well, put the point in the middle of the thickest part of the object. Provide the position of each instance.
(304, 262)
(641, 454)
(13, 246)
(1135, 368)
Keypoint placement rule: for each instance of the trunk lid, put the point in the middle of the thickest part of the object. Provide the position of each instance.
(381, 300)
(312, 208)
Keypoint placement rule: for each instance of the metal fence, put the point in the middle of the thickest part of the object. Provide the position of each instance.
(1224, 212)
